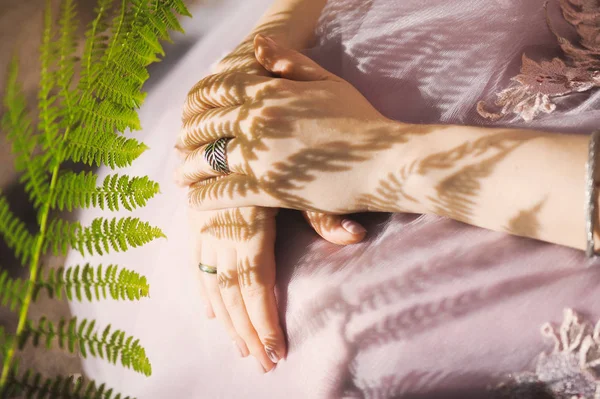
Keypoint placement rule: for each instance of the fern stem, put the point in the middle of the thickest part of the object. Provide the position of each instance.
(33, 272)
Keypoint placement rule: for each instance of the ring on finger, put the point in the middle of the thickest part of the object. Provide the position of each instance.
(215, 155)
(207, 269)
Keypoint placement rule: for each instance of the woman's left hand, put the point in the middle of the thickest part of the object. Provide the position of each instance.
(308, 140)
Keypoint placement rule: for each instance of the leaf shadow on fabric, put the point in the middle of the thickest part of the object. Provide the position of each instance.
(371, 279)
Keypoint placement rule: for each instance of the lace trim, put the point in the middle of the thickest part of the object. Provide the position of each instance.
(570, 371)
(533, 90)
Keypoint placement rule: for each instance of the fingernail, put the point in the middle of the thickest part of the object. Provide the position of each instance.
(352, 227)
(272, 354)
(261, 368)
(209, 312)
(270, 41)
(239, 348)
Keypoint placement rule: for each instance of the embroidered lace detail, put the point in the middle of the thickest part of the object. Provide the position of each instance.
(531, 92)
(570, 371)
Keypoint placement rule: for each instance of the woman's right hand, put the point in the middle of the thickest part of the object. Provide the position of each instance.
(240, 244)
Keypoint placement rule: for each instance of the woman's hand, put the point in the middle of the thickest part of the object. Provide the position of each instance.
(308, 140)
(240, 244)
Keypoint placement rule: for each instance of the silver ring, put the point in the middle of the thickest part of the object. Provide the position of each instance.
(207, 269)
(215, 155)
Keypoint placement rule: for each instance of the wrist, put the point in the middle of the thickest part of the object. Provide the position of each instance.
(394, 182)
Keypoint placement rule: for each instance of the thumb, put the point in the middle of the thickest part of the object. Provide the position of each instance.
(337, 229)
(287, 63)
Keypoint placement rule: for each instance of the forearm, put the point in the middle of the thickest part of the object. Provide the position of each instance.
(289, 22)
(527, 183)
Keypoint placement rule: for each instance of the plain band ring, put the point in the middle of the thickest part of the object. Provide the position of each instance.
(215, 155)
(207, 269)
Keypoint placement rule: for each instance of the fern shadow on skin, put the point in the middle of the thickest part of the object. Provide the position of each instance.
(233, 225)
(259, 123)
(261, 120)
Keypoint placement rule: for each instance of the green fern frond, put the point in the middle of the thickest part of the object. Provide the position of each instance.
(67, 45)
(49, 112)
(12, 291)
(177, 5)
(14, 232)
(105, 116)
(78, 282)
(96, 43)
(71, 335)
(103, 148)
(34, 385)
(166, 18)
(135, 41)
(121, 90)
(5, 341)
(78, 190)
(81, 123)
(101, 236)
(19, 127)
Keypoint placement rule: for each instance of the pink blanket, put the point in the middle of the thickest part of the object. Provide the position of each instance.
(426, 307)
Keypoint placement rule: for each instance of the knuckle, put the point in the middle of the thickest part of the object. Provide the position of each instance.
(282, 84)
(234, 303)
(251, 282)
(225, 280)
(196, 195)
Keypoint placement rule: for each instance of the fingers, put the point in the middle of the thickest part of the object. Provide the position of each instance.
(205, 299)
(196, 168)
(227, 279)
(231, 191)
(211, 288)
(223, 90)
(211, 125)
(210, 313)
(256, 276)
(288, 63)
(337, 229)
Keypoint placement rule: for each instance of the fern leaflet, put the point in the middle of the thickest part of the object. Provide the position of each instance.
(12, 291)
(101, 236)
(33, 385)
(20, 133)
(103, 148)
(78, 190)
(112, 345)
(79, 282)
(14, 232)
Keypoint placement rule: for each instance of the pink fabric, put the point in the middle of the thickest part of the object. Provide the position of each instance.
(426, 307)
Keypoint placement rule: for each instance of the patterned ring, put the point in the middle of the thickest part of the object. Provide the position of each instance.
(207, 269)
(216, 155)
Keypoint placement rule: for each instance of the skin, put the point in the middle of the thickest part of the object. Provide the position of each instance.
(240, 242)
(300, 139)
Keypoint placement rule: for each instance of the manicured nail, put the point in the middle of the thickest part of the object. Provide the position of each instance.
(352, 227)
(272, 354)
(261, 368)
(239, 348)
(270, 41)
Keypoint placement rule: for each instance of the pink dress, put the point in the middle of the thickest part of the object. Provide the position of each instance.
(425, 307)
